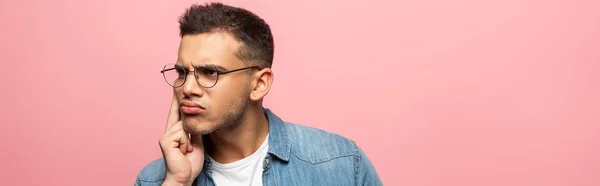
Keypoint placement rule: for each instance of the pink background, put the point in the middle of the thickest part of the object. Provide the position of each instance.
(436, 92)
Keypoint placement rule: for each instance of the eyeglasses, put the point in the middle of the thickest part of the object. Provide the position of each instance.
(206, 76)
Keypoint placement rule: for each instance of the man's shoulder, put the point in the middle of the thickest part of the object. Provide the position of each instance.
(316, 145)
(154, 172)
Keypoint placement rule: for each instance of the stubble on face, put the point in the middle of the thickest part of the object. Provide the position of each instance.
(230, 115)
(226, 102)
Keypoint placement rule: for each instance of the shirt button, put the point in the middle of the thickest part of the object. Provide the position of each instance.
(266, 163)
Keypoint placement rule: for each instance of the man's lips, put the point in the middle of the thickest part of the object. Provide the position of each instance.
(190, 107)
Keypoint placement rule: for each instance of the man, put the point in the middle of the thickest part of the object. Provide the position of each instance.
(218, 132)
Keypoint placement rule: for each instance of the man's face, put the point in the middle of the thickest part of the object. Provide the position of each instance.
(225, 102)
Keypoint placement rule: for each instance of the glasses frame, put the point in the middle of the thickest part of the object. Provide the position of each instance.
(187, 72)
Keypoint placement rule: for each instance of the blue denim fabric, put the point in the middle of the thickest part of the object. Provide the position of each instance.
(298, 155)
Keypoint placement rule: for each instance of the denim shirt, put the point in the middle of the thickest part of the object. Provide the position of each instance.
(298, 155)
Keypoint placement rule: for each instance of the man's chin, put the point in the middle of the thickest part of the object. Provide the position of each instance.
(197, 128)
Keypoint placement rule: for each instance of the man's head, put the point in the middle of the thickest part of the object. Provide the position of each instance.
(253, 33)
(222, 38)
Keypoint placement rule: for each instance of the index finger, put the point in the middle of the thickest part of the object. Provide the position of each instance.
(173, 112)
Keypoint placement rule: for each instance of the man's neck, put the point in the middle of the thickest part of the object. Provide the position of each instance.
(239, 140)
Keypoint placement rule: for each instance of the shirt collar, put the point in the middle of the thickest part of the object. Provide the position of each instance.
(279, 141)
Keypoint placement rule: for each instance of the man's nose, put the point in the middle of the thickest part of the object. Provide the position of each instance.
(191, 87)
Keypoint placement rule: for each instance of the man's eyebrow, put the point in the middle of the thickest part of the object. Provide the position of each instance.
(220, 68)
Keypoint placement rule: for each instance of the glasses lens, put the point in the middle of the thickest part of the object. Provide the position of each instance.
(174, 74)
(207, 76)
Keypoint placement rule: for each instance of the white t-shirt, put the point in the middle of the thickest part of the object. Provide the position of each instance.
(244, 172)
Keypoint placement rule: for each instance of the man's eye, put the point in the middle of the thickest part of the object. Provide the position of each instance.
(180, 70)
(208, 71)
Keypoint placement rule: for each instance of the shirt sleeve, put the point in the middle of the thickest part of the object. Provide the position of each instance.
(366, 173)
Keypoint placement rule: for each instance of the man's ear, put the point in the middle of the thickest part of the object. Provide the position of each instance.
(262, 84)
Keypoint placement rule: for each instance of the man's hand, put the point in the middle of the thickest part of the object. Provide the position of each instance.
(183, 154)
